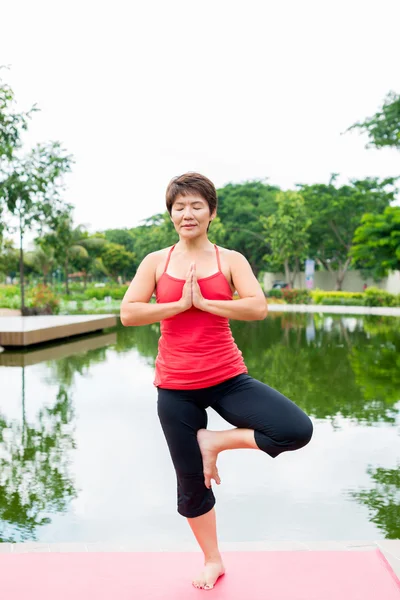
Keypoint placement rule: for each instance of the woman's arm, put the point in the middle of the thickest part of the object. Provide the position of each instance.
(252, 304)
(135, 307)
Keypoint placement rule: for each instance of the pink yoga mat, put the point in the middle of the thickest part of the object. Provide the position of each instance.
(304, 575)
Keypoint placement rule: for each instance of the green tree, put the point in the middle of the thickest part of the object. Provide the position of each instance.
(286, 231)
(42, 261)
(91, 262)
(12, 124)
(377, 241)
(31, 191)
(9, 260)
(239, 208)
(383, 128)
(123, 237)
(336, 213)
(156, 232)
(118, 261)
(70, 243)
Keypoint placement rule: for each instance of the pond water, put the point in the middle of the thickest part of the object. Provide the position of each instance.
(83, 457)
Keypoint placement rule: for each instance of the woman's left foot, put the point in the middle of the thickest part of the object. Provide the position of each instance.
(208, 578)
(209, 452)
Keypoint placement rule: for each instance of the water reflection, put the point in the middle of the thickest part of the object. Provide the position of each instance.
(343, 371)
(383, 500)
(34, 478)
(34, 458)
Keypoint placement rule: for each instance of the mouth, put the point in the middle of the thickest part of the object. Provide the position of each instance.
(189, 226)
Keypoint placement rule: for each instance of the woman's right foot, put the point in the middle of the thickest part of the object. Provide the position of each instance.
(209, 452)
(210, 574)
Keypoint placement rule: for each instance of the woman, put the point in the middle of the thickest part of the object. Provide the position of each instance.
(198, 363)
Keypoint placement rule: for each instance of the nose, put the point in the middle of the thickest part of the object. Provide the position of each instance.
(187, 212)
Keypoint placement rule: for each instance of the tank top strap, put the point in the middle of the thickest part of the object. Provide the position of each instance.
(218, 261)
(168, 257)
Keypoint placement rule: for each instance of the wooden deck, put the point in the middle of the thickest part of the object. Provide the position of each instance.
(27, 331)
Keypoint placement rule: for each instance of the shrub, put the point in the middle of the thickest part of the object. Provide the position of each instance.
(8, 291)
(43, 299)
(277, 301)
(100, 293)
(276, 293)
(340, 301)
(295, 296)
(335, 297)
(377, 297)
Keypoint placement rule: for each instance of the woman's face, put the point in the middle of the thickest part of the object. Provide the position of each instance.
(191, 215)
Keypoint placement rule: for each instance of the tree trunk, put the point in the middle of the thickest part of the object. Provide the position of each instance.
(287, 271)
(21, 266)
(341, 275)
(23, 408)
(66, 277)
(297, 263)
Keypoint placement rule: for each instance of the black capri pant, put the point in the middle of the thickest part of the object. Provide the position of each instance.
(279, 425)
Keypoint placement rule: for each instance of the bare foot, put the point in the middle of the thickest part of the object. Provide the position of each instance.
(208, 577)
(209, 452)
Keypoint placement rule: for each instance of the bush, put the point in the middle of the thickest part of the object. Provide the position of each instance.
(43, 300)
(290, 296)
(340, 301)
(377, 297)
(295, 296)
(100, 293)
(336, 297)
(277, 301)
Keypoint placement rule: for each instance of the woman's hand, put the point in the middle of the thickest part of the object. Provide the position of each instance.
(197, 297)
(186, 300)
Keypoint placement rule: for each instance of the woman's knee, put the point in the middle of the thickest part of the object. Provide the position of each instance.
(194, 498)
(303, 432)
(295, 437)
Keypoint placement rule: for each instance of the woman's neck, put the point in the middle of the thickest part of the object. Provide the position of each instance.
(194, 245)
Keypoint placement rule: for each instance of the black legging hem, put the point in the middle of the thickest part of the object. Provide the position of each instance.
(198, 513)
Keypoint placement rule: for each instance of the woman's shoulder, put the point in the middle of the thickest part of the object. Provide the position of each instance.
(227, 252)
(158, 254)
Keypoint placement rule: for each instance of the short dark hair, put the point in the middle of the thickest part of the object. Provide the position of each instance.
(191, 183)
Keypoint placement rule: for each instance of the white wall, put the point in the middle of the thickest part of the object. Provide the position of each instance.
(353, 282)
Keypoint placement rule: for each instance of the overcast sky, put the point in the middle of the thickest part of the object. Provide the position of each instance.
(141, 92)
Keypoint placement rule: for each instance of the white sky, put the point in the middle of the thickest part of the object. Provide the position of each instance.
(140, 92)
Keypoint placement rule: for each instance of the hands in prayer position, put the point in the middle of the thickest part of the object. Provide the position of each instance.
(191, 293)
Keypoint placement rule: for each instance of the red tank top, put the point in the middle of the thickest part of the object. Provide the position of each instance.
(196, 349)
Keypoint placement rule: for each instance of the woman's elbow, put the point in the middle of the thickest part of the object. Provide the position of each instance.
(124, 316)
(263, 311)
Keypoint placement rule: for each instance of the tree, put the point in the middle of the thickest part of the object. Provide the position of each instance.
(117, 260)
(124, 237)
(239, 208)
(42, 261)
(286, 231)
(383, 128)
(12, 124)
(31, 191)
(70, 243)
(377, 241)
(336, 213)
(156, 232)
(90, 262)
(8, 258)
